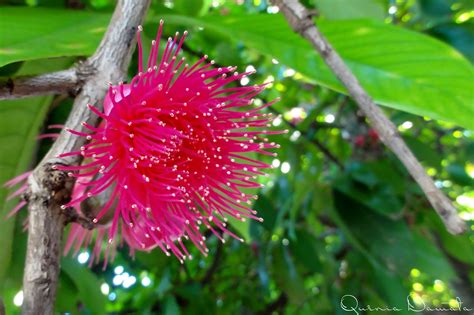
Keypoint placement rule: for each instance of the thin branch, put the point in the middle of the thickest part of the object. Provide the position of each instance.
(301, 21)
(50, 188)
(67, 81)
(61, 82)
(73, 217)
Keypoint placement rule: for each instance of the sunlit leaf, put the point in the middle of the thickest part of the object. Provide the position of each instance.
(35, 33)
(87, 285)
(399, 68)
(19, 125)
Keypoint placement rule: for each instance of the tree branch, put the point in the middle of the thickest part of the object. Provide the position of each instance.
(50, 188)
(301, 22)
(61, 82)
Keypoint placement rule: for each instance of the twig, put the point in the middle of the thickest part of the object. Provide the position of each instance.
(61, 82)
(2, 307)
(301, 22)
(73, 217)
(50, 188)
(67, 81)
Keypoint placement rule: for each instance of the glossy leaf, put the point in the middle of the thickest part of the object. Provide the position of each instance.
(390, 287)
(171, 306)
(19, 125)
(192, 8)
(286, 275)
(305, 250)
(343, 9)
(35, 33)
(424, 152)
(389, 243)
(87, 285)
(458, 174)
(368, 185)
(242, 228)
(399, 68)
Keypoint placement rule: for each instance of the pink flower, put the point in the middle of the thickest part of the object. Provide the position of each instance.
(174, 154)
(20, 180)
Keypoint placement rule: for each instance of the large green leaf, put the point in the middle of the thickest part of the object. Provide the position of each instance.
(87, 284)
(343, 9)
(19, 124)
(35, 33)
(286, 275)
(390, 287)
(388, 243)
(399, 68)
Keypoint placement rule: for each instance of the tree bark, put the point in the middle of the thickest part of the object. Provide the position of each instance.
(61, 82)
(50, 188)
(301, 21)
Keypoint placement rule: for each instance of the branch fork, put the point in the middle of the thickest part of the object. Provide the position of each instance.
(50, 188)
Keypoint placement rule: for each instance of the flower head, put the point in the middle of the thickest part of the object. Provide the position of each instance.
(174, 152)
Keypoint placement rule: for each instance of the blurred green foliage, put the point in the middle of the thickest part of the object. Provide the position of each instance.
(341, 214)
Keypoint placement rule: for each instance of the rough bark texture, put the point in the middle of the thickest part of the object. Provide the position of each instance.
(301, 21)
(61, 82)
(49, 188)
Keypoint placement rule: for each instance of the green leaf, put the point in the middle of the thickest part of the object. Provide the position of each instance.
(460, 36)
(305, 250)
(40, 66)
(165, 283)
(267, 211)
(367, 184)
(87, 285)
(19, 124)
(458, 174)
(390, 288)
(241, 227)
(67, 294)
(387, 242)
(35, 33)
(399, 68)
(343, 9)
(286, 275)
(170, 306)
(192, 8)
(423, 151)
(458, 246)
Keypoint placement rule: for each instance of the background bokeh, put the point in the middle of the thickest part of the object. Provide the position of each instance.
(342, 215)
